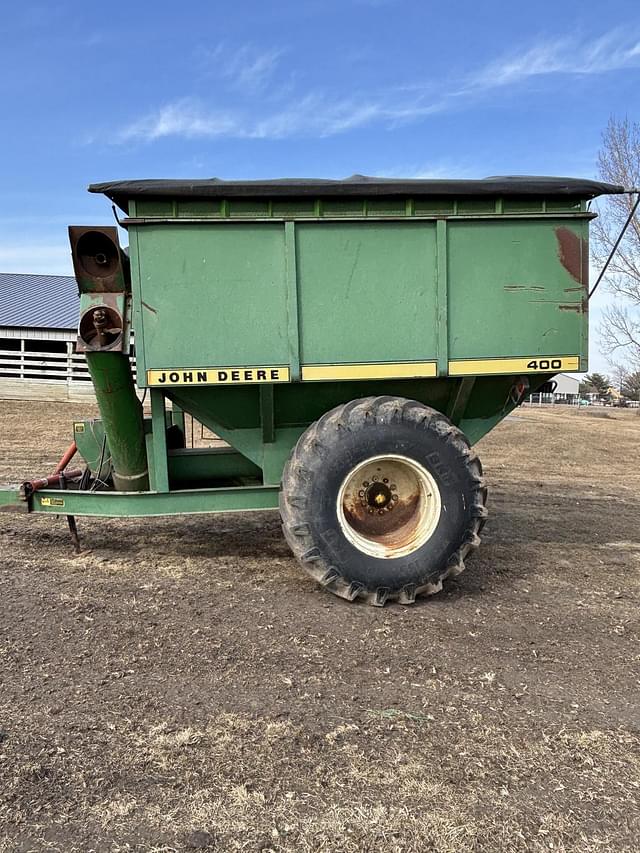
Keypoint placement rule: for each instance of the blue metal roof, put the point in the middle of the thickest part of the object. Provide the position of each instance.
(39, 301)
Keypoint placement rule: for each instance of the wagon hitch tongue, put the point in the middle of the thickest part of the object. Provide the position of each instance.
(59, 478)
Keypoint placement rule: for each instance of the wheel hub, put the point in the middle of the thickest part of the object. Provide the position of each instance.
(378, 496)
(389, 506)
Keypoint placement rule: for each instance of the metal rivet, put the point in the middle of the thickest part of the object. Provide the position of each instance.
(385, 479)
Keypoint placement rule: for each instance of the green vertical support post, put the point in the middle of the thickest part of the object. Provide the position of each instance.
(293, 330)
(460, 398)
(442, 318)
(159, 441)
(177, 416)
(267, 418)
(178, 419)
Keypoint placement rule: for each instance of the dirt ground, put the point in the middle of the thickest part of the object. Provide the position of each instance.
(184, 686)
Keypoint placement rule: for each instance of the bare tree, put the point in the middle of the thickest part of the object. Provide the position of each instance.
(619, 163)
(619, 376)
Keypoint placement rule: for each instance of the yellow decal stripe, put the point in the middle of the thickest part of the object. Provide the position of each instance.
(529, 364)
(363, 370)
(217, 376)
(388, 370)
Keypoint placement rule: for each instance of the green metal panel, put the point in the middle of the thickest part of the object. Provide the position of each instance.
(93, 447)
(212, 295)
(367, 291)
(185, 465)
(241, 422)
(511, 292)
(208, 465)
(471, 282)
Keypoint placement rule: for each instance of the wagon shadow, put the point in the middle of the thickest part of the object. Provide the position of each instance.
(518, 522)
(211, 537)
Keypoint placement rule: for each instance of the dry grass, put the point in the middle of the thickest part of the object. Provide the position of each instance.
(271, 785)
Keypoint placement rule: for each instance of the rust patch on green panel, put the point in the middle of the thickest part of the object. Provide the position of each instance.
(573, 253)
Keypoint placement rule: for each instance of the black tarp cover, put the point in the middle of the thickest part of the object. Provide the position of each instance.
(357, 185)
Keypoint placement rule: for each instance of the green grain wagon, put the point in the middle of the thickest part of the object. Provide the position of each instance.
(349, 340)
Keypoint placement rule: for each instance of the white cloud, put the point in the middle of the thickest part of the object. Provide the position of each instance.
(251, 71)
(186, 118)
(246, 69)
(319, 114)
(314, 114)
(609, 52)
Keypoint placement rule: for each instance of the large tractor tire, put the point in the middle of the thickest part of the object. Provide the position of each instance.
(382, 499)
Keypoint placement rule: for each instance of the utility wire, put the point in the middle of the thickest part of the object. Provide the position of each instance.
(617, 243)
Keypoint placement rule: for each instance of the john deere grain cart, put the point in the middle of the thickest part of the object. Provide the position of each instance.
(350, 341)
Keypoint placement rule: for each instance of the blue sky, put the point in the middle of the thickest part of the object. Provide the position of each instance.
(98, 91)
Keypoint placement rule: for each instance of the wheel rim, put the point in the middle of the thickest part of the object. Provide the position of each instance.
(389, 506)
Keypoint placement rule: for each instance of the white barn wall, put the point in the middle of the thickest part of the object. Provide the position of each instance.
(42, 374)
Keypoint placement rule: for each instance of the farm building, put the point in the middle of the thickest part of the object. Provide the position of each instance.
(566, 391)
(38, 320)
(567, 388)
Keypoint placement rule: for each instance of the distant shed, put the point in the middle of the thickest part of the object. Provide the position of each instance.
(567, 391)
(38, 320)
(567, 388)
